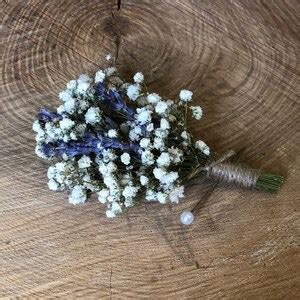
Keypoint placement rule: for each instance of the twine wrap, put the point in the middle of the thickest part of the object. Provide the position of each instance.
(232, 173)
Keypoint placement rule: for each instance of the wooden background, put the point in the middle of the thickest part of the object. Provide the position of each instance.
(241, 59)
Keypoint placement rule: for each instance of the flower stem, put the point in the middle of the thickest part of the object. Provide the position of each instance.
(269, 182)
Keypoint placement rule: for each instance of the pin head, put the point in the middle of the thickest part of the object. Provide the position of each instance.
(186, 217)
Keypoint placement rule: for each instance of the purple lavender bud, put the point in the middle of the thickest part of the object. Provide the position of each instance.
(46, 149)
(45, 115)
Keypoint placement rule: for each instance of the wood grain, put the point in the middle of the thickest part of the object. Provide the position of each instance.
(241, 59)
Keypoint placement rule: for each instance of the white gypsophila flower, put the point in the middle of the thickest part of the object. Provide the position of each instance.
(176, 193)
(36, 127)
(66, 124)
(147, 158)
(40, 137)
(86, 177)
(78, 195)
(185, 135)
(176, 154)
(99, 159)
(115, 194)
(65, 95)
(163, 160)
(102, 195)
(137, 130)
(109, 155)
(110, 71)
(112, 198)
(60, 166)
(153, 98)
(202, 147)
(53, 185)
(128, 202)
(51, 172)
(112, 167)
(130, 191)
(150, 195)
(161, 197)
(185, 95)
(69, 182)
(161, 133)
(108, 57)
(107, 169)
(90, 186)
(170, 102)
(124, 86)
(53, 133)
(126, 179)
(150, 127)
(69, 105)
(82, 87)
(66, 138)
(83, 83)
(65, 156)
(164, 124)
(133, 135)
(73, 135)
(39, 152)
(71, 85)
(172, 118)
(84, 162)
(60, 178)
(60, 109)
(196, 112)
(57, 134)
(143, 116)
(145, 143)
(112, 184)
(99, 76)
(110, 213)
(159, 173)
(144, 180)
(49, 130)
(138, 77)
(158, 143)
(116, 208)
(161, 107)
(93, 115)
(112, 133)
(84, 78)
(169, 178)
(125, 158)
(133, 91)
(83, 105)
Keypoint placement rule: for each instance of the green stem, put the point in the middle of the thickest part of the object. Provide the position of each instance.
(269, 182)
(185, 116)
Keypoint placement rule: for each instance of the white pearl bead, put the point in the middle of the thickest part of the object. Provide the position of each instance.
(186, 218)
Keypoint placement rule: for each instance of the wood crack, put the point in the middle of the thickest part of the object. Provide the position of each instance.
(110, 285)
(119, 4)
(116, 30)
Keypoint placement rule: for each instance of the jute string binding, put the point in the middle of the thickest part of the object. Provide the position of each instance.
(232, 173)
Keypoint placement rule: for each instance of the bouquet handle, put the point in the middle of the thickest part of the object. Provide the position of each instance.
(241, 175)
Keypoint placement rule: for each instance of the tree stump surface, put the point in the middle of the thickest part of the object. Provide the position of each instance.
(240, 58)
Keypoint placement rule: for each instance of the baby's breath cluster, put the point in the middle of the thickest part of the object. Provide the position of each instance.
(120, 142)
